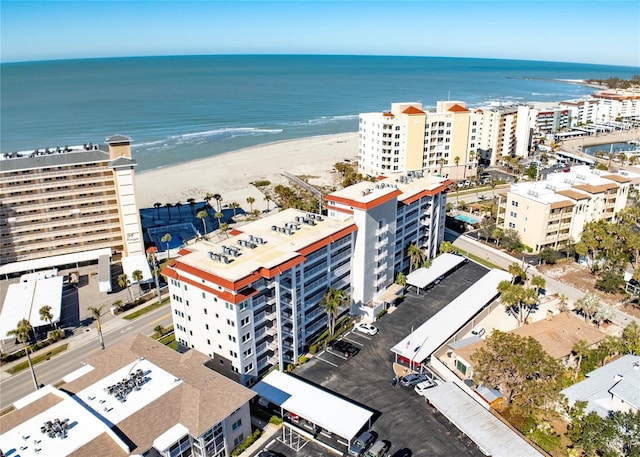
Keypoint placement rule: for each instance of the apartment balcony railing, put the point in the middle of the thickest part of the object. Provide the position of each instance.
(39, 186)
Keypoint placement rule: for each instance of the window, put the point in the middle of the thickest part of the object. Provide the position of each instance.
(236, 425)
(462, 368)
(512, 225)
(246, 337)
(248, 368)
(238, 440)
(514, 203)
(513, 214)
(245, 321)
(248, 352)
(232, 338)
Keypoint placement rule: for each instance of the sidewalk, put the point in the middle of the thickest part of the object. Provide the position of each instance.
(268, 433)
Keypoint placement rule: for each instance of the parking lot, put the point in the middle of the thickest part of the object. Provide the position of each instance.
(401, 416)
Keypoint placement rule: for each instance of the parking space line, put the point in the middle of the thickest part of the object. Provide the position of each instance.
(361, 335)
(353, 341)
(329, 351)
(325, 361)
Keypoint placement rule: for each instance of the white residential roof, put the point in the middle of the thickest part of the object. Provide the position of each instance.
(424, 340)
(53, 261)
(136, 262)
(24, 300)
(441, 265)
(491, 435)
(330, 412)
(620, 378)
(89, 413)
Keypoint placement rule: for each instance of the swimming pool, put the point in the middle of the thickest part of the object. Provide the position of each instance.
(466, 219)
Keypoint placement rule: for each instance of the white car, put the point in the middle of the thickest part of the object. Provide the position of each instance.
(366, 328)
(478, 331)
(422, 387)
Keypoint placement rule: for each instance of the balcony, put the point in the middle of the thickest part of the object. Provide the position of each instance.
(381, 256)
(383, 230)
(382, 243)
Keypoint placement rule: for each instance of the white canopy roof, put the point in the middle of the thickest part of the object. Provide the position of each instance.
(136, 262)
(424, 340)
(53, 261)
(330, 412)
(491, 435)
(441, 265)
(24, 300)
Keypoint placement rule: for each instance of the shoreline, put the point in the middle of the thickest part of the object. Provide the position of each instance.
(232, 172)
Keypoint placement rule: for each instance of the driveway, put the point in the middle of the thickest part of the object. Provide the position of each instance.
(403, 417)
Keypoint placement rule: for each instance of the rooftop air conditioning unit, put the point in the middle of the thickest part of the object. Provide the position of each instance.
(287, 231)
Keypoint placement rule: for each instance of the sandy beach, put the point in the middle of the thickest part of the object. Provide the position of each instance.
(230, 174)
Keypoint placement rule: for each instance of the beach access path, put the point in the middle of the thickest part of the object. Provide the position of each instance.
(230, 174)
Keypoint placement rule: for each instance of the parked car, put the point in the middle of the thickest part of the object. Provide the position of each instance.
(423, 386)
(361, 444)
(344, 348)
(379, 449)
(412, 379)
(478, 331)
(366, 328)
(268, 453)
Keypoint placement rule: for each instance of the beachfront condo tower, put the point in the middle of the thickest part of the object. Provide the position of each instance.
(65, 205)
(254, 299)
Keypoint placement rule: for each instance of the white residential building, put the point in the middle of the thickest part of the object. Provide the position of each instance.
(252, 300)
(137, 397)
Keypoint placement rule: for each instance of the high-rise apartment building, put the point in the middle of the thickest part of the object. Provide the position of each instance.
(69, 204)
(253, 300)
(549, 213)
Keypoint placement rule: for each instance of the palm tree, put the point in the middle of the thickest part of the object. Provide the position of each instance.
(538, 282)
(441, 162)
(157, 207)
(123, 281)
(416, 256)
(207, 198)
(166, 238)
(179, 205)
(168, 205)
(137, 277)
(580, 350)
(456, 160)
(234, 206)
(331, 302)
(267, 199)
(224, 228)
(219, 216)
(96, 312)
(22, 334)
(192, 204)
(218, 199)
(47, 315)
(515, 271)
(202, 215)
(251, 201)
(159, 329)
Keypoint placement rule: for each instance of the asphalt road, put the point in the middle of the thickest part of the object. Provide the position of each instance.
(81, 346)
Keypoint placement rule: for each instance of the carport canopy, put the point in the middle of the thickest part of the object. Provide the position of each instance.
(489, 433)
(332, 413)
(423, 341)
(441, 265)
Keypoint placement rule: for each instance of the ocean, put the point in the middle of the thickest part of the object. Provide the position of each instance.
(183, 108)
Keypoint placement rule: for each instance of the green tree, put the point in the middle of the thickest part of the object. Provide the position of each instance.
(218, 199)
(219, 216)
(157, 206)
(251, 201)
(137, 277)
(124, 281)
(631, 339)
(588, 306)
(516, 272)
(538, 282)
(166, 238)
(96, 312)
(179, 205)
(202, 215)
(416, 256)
(529, 379)
(22, 333)
(401, 279)
(580, 350)
(331, 302)
(487, 226)
(548, 256)
(159, 329)
(192, 204)
(510, 240)
(446, 246)
(441, 162)
(47, 315)
(267, 199)
(234, 206)
(224, 229)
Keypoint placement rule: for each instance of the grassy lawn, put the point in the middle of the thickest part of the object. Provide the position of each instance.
(145, 310)
(480, 260)
(170, 340)
(37, 359)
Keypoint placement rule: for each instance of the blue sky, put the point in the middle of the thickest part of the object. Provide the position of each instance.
(604, 32)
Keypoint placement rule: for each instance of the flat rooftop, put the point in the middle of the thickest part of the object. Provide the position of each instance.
(405, 186)
(265, 243)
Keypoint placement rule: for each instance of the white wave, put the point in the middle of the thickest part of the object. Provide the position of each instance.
(233, 131)
(546, 94)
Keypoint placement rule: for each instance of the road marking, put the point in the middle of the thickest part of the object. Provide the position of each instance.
(362, 335)
(326, 361)
(161, 318)
(330, 351)
(354, 342)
